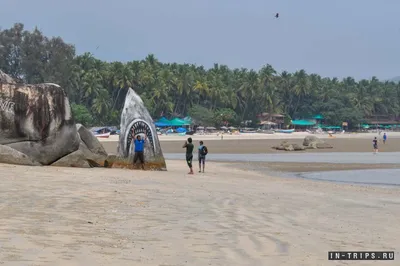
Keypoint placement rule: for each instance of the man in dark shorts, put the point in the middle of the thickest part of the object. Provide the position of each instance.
(189, 154)
(139, 149)
(375, 144)
(202, 155)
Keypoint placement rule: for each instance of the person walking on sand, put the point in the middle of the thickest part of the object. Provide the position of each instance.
(189, 154)
(375, 144)
(139, 149)
(202, 155)
(384, 138)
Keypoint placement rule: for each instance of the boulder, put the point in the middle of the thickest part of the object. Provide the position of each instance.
(135, 119)
(310, 139)
(74, 159)
(312, 142)
(36, 120)
(11, 156)
(298, 147)
(289, 147)
(285, 146)
(90, 140)
(95, 160)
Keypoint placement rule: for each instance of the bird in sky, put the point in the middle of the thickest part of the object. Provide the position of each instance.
(277, 15)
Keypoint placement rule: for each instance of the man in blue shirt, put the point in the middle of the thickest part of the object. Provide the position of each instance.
(139, 149)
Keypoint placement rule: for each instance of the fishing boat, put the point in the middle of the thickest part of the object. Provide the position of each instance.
(101, 132)
(284, 130)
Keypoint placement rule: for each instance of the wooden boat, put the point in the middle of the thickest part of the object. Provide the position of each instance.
(285, 130)
(103, 135)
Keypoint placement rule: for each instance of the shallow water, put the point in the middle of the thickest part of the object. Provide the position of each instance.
(323, 157)
(378, 177)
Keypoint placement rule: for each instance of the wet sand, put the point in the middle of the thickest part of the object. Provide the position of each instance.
(227, 216)
(311, 167)
(264, 145)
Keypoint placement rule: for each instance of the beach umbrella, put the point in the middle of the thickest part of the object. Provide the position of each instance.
(224, 127)
(232, 127)
(201, 128)
(210, 128)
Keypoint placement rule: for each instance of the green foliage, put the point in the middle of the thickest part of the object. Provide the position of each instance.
(81, 115)
(224, 116)
(201, 115)
(97, 89)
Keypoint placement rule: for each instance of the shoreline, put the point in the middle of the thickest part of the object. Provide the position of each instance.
(263, 136)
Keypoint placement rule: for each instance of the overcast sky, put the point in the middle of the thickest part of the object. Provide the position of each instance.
(359, 38)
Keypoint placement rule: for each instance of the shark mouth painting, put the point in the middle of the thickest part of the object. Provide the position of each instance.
(139, 127)
(136, 120)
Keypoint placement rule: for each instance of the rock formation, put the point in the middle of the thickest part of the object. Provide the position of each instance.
(135, 119)
(285, 146)
(309, 142)
(37, 128)
(313, 142)
(36, 120)
(89, 154)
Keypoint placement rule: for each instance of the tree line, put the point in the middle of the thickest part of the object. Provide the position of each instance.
(214, 96)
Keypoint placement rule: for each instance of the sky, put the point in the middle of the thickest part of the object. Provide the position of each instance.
(333, 38)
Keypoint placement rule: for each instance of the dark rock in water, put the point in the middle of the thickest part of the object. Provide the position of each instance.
(91, 142)
(36, 120)
(74, 159)
(135, 119)
(11, 156)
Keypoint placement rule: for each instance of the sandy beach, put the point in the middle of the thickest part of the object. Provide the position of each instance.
(262, 143)
(227, 216)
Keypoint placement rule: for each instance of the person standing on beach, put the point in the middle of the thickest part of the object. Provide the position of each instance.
(375, 144)
(384, 138)
(139, 149)
(202, 155)
(189, 154)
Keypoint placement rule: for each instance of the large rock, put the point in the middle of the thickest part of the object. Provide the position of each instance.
(11, 156)
(312, 142)
(311, 139)
(36, 120)
(90, 140)
(135, 119)
(74, 159)
(285, 146)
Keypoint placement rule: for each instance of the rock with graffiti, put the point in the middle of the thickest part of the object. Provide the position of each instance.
(36, 120)
(136, 120)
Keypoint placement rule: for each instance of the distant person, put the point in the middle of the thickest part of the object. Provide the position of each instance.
(384, 138)
(202, 155)
(189, 154)
(139, 150)
(375, 144)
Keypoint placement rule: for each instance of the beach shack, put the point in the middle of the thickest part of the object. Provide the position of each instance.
(303, 124)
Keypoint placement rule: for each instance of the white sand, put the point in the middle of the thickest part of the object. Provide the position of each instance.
(296, 135)
(223, 217)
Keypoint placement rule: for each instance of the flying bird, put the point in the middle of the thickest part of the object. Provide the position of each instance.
(277, 15)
